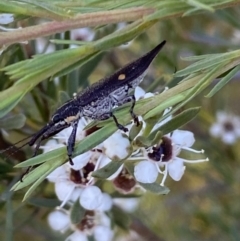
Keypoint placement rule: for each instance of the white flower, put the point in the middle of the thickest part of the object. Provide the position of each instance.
(106, 203)
(6, 18)
(140, 93)
(227, 127)
(166, 155)
(96, 224)
(146, 172)
(43, 45)
(102, 233)
(63, 135)
(59, 220)
(82, 34)
(91, 198)
(77, 236)
(117, 146)
(51, 145)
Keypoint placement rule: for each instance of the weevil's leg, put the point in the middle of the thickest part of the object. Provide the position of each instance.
(71, 142)
(25, 173)
(120, 127)
(134, 116)
(130, 98)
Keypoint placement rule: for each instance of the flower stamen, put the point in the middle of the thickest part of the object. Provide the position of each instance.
(196, 161)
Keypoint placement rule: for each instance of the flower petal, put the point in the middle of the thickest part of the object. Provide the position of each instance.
(176, 168)
(58, 220)
(6, 18)
(106, 203)
(77, 236)
(139, 93)
(81, 161)
(117, 146)
(102, 233)
(64, 189)
(91, 198)
(216, 130)
(183, 138)
(145, 172)
(229, 138)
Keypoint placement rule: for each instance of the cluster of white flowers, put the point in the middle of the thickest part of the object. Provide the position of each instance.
(74, 183)
(226, 127)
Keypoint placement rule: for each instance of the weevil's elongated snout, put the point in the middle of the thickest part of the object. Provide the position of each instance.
(39, 134)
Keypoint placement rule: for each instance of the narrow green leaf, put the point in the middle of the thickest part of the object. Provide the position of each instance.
(12, 122)
(63, 97)
(77, 213)
(164, 105)
(107, 170)
(120, 218)
(74, 66)
(142, 141)
(44, 202)
(8, 103)
(90, 65)
(176, 122)
(155, 188)
(199, 5)
(223, 82)
(156, 139)
(49, 156)
(95, 138)
(41, 176)
(31, 177)
(135, 131)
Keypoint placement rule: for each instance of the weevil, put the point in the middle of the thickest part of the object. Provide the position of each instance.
(98, 101)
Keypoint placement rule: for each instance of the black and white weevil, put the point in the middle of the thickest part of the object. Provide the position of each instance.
(98, 101)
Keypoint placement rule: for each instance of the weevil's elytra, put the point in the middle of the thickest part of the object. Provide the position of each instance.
(98, 101)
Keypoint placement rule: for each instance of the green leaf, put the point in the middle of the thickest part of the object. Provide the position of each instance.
(49, 156)
(143, 141)
(155, 188)
(156, 139)
(171, 101)
(176, 122)
(223, 81)
(199, 5)
(75, 65)
(44, 202)
(77, 213)
(63, 97)
(90, 65)
(12, 122)
(208, 62)
(120, 218)
(40, 172)
(10, 100)
(135, 131)
(107, 170)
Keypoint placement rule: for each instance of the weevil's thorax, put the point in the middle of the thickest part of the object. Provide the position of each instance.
(67, 113)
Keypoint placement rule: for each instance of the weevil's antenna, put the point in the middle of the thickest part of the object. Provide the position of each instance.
(14, 145)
